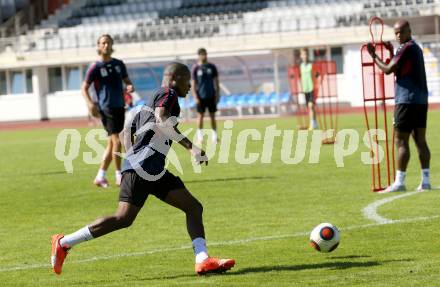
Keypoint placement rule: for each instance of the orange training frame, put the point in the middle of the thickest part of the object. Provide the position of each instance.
(294, 75)
(326, 97)
(378, 90)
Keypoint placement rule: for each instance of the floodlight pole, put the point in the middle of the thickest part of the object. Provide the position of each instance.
(276, 76)
(436, 29)
(436, 23)
(247, 71)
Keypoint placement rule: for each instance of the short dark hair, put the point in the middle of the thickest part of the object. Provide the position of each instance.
(202, 51)
(175, 69)
(105, 36)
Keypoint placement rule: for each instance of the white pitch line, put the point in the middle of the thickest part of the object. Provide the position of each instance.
(370, 212)
(219, 243)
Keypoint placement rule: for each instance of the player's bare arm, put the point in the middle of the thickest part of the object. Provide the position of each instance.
(299, 84)
(194, 91)
(128, 137)
(217, 89)
(128, 85)
(93, 109)
(162, 115)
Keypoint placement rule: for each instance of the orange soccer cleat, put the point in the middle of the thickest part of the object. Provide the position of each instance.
(214, 265)
(58, 255)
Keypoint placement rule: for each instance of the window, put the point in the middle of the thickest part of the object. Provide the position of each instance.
(3, 88)
(29, 87)
(84, 71)
(17, 82)
(336, 53)
(73, 75)
(55, 80)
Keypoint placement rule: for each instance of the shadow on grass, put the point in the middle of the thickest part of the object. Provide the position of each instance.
(229, 179)
(349, 257)
(278, 268)
(328, 265)
(83, 171)
(50, 173)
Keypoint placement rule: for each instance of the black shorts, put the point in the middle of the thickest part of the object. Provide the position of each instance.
(113, 120)
(135, 189)
(210, 104)
(309, 97)
(407, 117)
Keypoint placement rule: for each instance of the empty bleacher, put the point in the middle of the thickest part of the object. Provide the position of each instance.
(246, 104)
(142, 21)
(230, 29)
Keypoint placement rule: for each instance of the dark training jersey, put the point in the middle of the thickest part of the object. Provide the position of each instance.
(107, 81)
(150, 148)
(204, 76)
(411, 86)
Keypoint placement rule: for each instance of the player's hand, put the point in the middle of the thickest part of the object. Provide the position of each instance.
(197, 99)
(94, 111)
(388, 45)
(371, 50)
(199, 155)
(129, 89)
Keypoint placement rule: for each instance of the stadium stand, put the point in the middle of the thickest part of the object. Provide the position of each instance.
(141, 21)
(249, 32)
(19, 16)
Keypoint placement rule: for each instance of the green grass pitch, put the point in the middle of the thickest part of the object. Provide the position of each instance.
(259, 214)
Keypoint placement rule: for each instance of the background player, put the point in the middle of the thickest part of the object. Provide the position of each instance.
(107, 76)
(135, 189)
(410, 113)
(206, 92)
(307, 87)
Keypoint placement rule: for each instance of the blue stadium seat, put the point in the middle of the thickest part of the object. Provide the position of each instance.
(182, 103)
(140, 103)
(241, 99)
(231, 100)
(262, 99)
(252, 99)
(191, 102)
(285, 97)
(222, 102)
(183, 19)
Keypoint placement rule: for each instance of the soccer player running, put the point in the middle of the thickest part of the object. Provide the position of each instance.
(206, 92)
(144, 174)
(107, 76)
(411, 97)
(306, 69)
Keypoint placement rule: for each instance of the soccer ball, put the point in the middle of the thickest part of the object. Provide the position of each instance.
(325, 237)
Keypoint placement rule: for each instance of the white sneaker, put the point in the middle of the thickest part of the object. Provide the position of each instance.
(313, 126)
(394, 188)
(424, 186)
